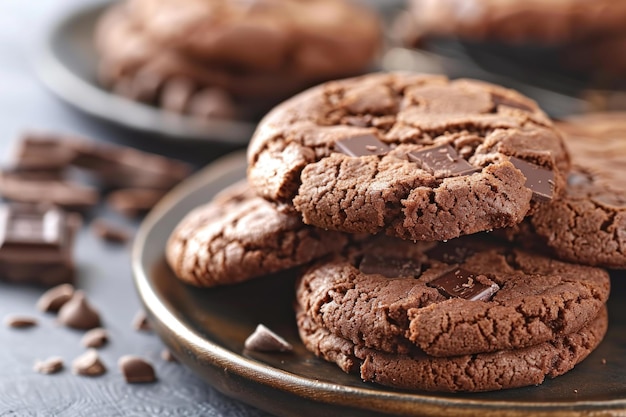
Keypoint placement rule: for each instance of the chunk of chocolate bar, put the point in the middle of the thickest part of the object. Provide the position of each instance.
(36, 244)
(133, 202)
(39, 151)
(120, 166)
(538, 179)
(22, 188)
(442, 161)
(361, 146)
(390, 267)
(265, 340)
(461, 283)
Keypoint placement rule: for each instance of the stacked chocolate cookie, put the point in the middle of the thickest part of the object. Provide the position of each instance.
(384, 188)
(225, 59)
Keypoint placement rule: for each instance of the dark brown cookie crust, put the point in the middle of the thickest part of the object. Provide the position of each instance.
(473, 373)
(588, 224)
(239, 236)
(539, 299)
(293, 156)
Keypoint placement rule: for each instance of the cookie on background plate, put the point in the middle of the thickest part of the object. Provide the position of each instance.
(415, 156)
(467, 296)
(473, 373)
(588, 224)
(239, 236)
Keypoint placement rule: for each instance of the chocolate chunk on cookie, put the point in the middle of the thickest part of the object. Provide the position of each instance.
(415, 156)
(239, 236)
(588, 224)
(473, 373)
(485, 297)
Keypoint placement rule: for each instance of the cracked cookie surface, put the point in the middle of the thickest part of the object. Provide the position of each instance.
(588, 224)
(239, 236)
(524, 298)
(481, 372)
(298, 156)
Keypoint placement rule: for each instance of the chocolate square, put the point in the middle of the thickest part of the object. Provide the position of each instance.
(442, 161)
(390, 267)
(462, 283)
(361, 146)
(29, 225)
(538, 179)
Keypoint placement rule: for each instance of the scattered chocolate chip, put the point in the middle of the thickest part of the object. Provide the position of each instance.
(78, 313)
(19, 321)
(133, 202)
(390, 267)
(265, 340)
(53, 299)
(108, 231)
(575, 391)
(136, 369)
(462, 283)
(51, 365)
(36, 244)
(442, 161)
(88, 364)
(166, 355)
(140, 322)
(538, 179)
(361, 146)
(603, 361)
(95, 338)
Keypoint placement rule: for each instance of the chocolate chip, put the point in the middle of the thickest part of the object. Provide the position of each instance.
(361, 146)
(442, 161)
(166, 355)
(265, 340)
(36, 243)
(51, 365)
(88, 364)
(136, 369)
(538, 179)
(109, 231)
(53, 299)
(95, 338)
(78, 313)
(140, 322)
(390, 267)
(19, 321)
(462, 283)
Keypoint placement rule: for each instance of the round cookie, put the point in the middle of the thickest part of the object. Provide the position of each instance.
(416, 156)
(516, 21)
(239, 236)
(473, 373)
(588, 224)
(317, 38)
(470, 295)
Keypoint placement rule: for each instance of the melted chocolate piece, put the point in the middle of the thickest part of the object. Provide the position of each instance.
(538, 179)
(390, 267)
(462, 283)
(362, 146)
(442, 161)
(504, 101)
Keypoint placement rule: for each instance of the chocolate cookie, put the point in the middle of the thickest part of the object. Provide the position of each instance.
(416, 156)
(239, 236)
(320, 38)
(588, 224)
(481, 372)
(542, 22)
(470, 295)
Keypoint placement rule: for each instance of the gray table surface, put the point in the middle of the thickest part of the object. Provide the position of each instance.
(104, 269)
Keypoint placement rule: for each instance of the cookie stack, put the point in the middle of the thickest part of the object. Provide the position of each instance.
(384, 188)
(223, 58)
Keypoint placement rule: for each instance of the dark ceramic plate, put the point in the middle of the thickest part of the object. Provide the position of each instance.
(206, 330)
(68, 63)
